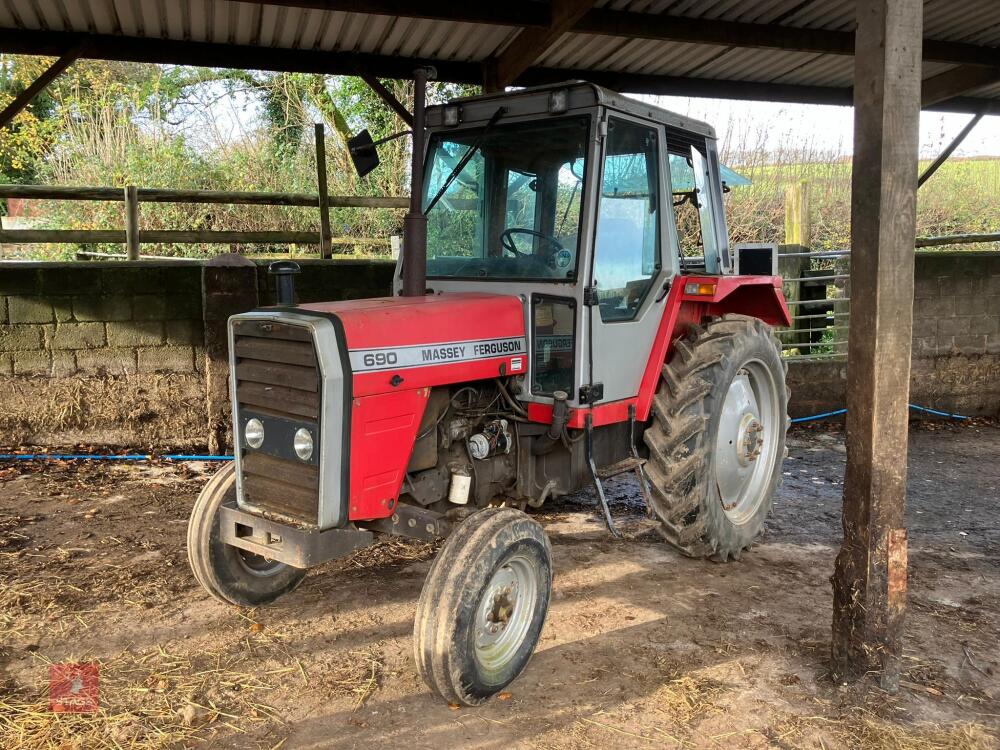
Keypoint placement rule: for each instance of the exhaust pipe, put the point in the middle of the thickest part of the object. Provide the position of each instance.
(415, 223)
(284, 272)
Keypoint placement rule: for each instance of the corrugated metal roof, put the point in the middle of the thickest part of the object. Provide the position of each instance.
(287, 26)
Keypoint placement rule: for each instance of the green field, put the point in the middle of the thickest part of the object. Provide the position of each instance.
(963, 197)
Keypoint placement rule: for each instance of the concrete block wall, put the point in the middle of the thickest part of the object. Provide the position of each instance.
(956, 341)
(956, 304)
(102, 352)
(68, 319)
(128, 354)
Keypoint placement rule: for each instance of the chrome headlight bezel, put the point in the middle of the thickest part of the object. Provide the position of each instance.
(303, 444)
(253, 433)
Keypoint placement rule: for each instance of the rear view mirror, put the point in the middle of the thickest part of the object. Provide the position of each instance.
(363, 152)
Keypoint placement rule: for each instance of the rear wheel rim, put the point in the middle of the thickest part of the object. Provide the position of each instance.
(746, 444)
(505, 612)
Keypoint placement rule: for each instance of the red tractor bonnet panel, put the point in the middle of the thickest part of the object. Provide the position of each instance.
(401, 347)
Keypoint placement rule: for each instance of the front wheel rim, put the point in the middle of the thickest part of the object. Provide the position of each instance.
(505, 612)
(258, 565)
(746, 444)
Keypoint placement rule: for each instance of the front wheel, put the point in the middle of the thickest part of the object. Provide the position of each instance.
(230, 574)
(483, 605)
(717, 437)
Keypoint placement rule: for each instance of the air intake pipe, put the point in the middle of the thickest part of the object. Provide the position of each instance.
(560, 415)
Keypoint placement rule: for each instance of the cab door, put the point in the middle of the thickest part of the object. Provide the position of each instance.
(629, 273)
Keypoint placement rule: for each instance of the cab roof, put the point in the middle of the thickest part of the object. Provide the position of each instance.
(580, 95)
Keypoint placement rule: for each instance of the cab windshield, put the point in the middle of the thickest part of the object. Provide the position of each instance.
(513, 210)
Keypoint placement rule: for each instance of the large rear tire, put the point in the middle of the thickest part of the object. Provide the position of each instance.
(483, 605)
(230, 574)
(717, 437)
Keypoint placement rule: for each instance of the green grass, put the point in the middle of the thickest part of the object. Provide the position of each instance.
(963, 197)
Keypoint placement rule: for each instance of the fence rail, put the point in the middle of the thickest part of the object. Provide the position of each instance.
(133, 236)
(162, 195)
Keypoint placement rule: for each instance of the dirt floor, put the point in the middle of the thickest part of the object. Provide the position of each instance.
(641, 648)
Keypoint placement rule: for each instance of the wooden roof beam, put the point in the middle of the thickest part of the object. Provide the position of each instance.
(954, 82)
(660, 26)
(531, 43)
(218, 55)
(22, 100)
(535, 14)
(388, 97)
(532, 13)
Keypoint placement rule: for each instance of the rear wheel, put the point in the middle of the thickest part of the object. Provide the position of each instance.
(483, 605)
(717, 437)
(230, 574)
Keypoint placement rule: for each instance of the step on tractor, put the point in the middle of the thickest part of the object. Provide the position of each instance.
(567, 307)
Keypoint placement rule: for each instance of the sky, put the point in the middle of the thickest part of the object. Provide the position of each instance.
(823, 131)
(827, 130)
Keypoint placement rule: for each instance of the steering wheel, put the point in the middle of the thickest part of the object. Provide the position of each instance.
(507, 241)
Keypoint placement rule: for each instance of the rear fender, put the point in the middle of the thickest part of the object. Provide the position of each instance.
(757, 296)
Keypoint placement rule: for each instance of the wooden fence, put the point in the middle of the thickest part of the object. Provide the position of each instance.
(133, 237)
(817, 283)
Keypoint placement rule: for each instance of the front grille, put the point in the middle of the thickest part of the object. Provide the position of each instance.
(278, 381)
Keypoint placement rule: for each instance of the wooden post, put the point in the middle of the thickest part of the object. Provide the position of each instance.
(132, 222)
(325, 246)
(797, 239)
(798, 229)
(869, 581)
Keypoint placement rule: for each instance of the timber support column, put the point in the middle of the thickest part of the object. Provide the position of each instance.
(869, 581)
(228, 287)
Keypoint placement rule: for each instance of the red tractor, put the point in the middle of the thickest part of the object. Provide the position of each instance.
(554, 324)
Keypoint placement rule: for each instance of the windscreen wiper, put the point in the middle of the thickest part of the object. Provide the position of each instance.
(466, 157)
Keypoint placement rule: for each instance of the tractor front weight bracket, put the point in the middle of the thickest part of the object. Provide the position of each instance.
(300, 548)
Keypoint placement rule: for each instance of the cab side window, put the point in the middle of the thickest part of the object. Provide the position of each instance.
(627, 246)
(693, 213)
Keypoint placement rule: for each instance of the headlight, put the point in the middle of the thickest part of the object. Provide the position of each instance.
(253, 433)
(303, 444)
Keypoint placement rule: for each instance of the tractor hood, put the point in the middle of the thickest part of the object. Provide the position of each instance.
(401, 343)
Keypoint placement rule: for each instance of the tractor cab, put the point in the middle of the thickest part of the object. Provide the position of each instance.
(559, 194)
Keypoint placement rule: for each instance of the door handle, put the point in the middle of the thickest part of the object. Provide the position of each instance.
(663, 292)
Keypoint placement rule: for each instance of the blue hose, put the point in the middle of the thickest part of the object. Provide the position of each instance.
(104, 457)
(200, 457)
(938, 413)
(838, 412)
(824, 415)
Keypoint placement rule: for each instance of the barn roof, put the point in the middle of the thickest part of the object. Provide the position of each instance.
(779, 50)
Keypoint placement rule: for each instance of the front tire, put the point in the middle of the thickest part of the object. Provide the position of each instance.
(483, 605)
(717, 437)
(230, 574)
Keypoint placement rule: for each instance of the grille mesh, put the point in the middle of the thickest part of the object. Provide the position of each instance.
(277, 375)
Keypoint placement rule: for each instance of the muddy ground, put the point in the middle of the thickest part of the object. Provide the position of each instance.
(642, 648)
